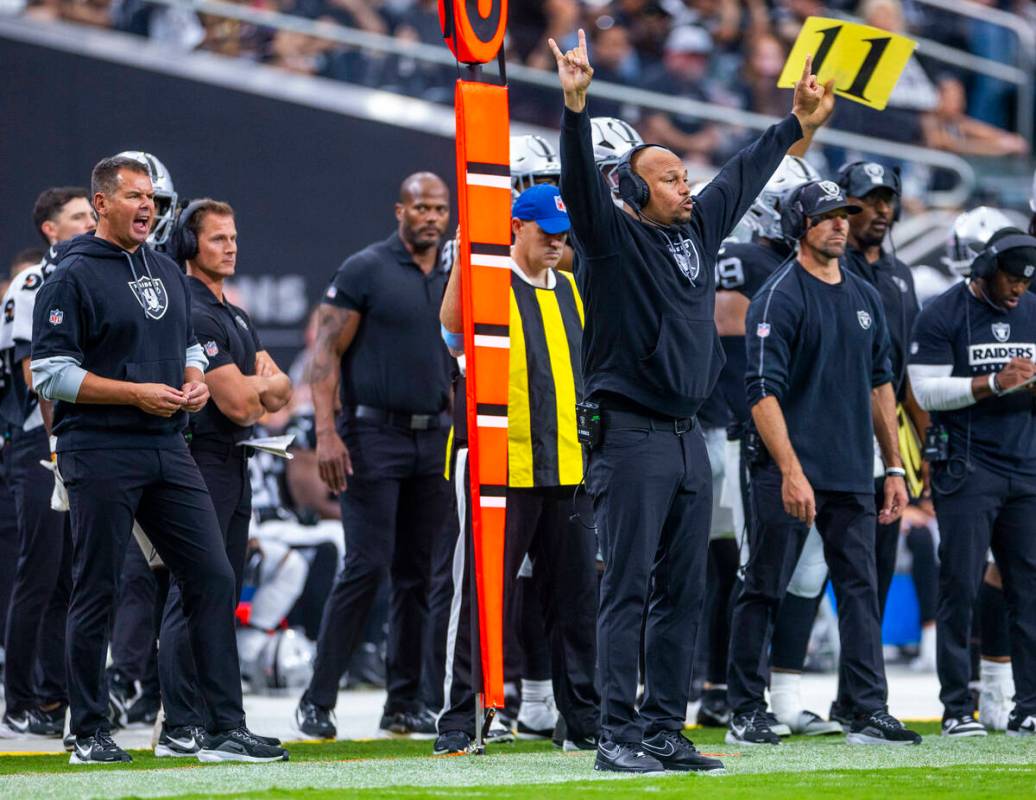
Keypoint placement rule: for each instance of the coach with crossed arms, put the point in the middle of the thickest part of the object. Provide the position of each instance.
(650, 358)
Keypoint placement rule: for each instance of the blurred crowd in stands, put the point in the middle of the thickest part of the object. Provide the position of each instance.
(728, 52)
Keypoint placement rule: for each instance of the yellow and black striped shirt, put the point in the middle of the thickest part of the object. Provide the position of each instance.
(546, 382)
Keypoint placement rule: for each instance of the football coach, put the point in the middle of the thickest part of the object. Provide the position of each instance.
(651, 356)
(113, 345)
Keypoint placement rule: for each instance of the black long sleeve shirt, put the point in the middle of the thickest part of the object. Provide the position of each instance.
(649, 292)
(820, 349)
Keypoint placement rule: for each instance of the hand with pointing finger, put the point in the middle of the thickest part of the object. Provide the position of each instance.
(574, 72)
(813, 101)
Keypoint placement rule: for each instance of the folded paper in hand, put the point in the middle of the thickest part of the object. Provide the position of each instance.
(274, 445)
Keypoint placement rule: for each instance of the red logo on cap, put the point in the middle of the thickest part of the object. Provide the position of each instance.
(559, 203)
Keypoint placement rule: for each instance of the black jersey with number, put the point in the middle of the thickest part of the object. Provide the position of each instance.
(742, 268)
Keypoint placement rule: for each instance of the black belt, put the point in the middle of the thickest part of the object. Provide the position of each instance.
(629, 419)
(413, 422)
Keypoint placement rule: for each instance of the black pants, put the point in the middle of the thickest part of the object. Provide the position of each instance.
(8, 540)
(563, 552)
(925, 571)
(886, 544)
(43, 579)
(164, 491)
(846, 523)
(652, 497)
(134, 633)
(225, 472)
(392, 512)
(989, 510)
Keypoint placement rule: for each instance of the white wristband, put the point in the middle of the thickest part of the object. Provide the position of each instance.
(895, 472)
(994, 387)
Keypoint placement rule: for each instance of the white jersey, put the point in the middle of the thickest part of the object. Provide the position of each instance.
(16, 331)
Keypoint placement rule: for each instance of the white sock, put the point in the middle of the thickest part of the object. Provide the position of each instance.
(996, 675)
(537, 691)
(785, 701)
(927, 649)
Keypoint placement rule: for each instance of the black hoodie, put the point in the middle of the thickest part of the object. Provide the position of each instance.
(121, 316)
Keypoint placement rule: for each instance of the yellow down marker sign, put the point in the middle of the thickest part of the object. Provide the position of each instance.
(865, 62)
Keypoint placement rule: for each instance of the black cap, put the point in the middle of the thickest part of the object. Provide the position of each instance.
(1015, 252)
(819, 197)
(860, 178)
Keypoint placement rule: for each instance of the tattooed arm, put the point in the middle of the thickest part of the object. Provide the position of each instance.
(336, 328)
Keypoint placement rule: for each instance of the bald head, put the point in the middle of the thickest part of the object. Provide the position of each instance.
(423, 211)
(670, 199)
(421, 183)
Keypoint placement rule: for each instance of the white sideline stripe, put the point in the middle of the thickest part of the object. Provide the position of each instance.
(483, 260)
(485, 340)
(492, 502)
(485, 421)
(492, 181)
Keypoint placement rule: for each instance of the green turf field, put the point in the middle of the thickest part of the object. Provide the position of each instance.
(995, 767)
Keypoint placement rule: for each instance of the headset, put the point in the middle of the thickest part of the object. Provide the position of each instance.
(985, 263)
(632, 188)
(793, 215)
(183, 244)
(857, 178)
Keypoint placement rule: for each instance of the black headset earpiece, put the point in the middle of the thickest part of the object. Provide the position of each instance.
(183, 244)
(793, 217)
(633, 189)
(984, 264)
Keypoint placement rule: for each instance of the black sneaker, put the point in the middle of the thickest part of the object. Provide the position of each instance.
(776, 725)
(315, 721)
(880, 728)
(963, 726)
(414, 724)
(1019, 724)
(577, 745)
(752, 728)
(714, 711)
(69, 742)
(32, 723)
(182, 742)
(560, 733)
(452, 743)
(98, 749)
(840, 714)
(624, 757)
(239, 744)
(52, 722)
(127, 703)
(678, 754)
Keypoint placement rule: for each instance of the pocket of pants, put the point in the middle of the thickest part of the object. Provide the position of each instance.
(623, 438)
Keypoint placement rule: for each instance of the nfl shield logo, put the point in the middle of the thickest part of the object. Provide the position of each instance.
(864, 318)
(762, 330)
(1001, 331)
(211, 349)
(151, 294)
(57, 316)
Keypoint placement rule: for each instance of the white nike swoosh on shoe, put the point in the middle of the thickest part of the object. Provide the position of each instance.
(189, 744)
(20, 727)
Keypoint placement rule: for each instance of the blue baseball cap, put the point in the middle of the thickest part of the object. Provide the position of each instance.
(543, 205)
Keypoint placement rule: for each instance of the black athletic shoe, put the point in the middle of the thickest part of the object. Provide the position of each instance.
(69, 742)
(963, 727)
(1019, 724)
(840, 714)
(880, 728)
(33, 723)
(127, 703)
(239, 744)
(182, 742)
(576, 745)
(52, 721)
(98, 749)
(416, 725)
(751, 729)
(273, 741)
(678, 754)
(452, 743)
(622, 757)
(315, 721)
(714, 711)
(561, 733)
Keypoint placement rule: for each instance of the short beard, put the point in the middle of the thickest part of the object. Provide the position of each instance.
(418, 246)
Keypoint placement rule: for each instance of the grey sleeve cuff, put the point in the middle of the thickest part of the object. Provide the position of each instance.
(57, 378)
(196, 357)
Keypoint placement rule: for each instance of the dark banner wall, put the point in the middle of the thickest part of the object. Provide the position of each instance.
(309, 186)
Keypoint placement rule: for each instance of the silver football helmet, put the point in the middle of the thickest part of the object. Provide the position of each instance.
(612, 139)
(165, 195)
(969, 234)
(533, 160)
(763, 217)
